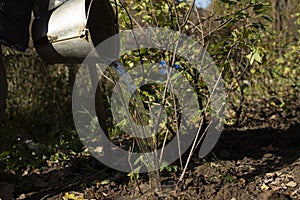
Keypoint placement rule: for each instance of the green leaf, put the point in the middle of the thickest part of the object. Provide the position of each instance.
(280, 60)
(257, 57)
(267, 18)
(4, 154)
(230, 2)
(163, 165)
(260, 8)
(105, 182)
(254, 56)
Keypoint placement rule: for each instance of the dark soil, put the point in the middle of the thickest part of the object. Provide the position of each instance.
(255, 163)
(251, 164)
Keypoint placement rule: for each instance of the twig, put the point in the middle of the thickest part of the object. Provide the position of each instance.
(60, 188)
(199, 129)
(188, 15)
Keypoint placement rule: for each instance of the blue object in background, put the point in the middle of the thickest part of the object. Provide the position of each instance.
(163, 63)
(163, 66)
(177, 66)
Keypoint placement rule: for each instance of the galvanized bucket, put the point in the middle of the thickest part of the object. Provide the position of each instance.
(71, 31)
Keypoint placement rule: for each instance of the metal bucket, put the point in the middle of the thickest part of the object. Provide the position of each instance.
(71, 31)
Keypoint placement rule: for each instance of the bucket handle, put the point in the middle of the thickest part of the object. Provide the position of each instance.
(88, 11)
(85, 33)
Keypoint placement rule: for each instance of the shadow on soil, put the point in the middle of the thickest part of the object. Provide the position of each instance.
(272, 149)
(259, 144)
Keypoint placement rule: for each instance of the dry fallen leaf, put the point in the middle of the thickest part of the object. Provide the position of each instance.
(264, 187)
(291, 184)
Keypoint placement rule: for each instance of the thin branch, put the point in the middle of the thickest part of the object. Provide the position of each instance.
(188, 15)
(199, 129)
